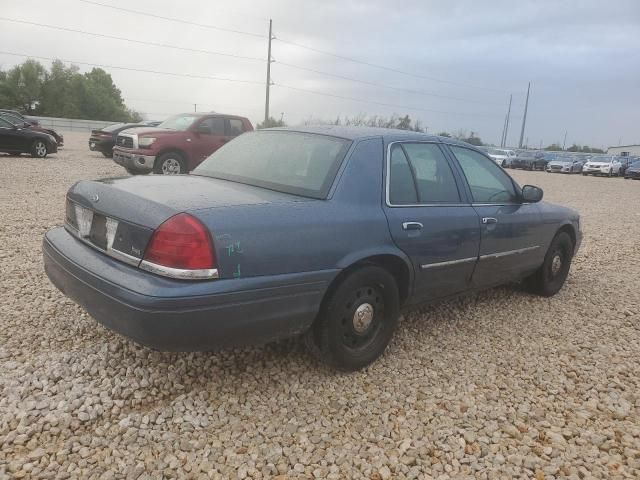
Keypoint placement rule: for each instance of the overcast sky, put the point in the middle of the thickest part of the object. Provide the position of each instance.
(582, 58)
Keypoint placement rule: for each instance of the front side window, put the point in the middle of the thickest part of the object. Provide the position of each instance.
(488, 182)
(290, 162)
(213, 125)
(5, 124)
(235, 127)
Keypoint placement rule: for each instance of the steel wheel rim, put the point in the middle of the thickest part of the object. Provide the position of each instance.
(362, 317)
(171, 166)
(556, 265)
(41, 149)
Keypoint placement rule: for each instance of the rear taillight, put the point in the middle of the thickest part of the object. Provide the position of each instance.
(181, 248)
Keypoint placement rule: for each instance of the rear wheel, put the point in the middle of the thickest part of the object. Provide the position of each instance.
(356, 320)
(550, 277)
(39, 149)
(170, 163)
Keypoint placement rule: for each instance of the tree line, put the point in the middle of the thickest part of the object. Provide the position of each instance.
(63, 91)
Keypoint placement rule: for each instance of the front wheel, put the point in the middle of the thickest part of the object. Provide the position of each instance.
(356, 320)
(170, 164)
(107, 154)
(39, 149)
(550, 277)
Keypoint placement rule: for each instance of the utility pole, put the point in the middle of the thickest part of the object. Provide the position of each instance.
(266, 102)
(506, 128)
(524, 118)
(195, 107)
(564, 142)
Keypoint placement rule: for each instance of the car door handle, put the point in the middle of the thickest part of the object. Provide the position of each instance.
(489, 220)
(412, 226)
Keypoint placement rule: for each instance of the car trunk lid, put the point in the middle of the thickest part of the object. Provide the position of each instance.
(118, 216)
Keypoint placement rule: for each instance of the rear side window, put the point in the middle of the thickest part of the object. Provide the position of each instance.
(402, 188)
(419, 173)
(434, 178)
(488, 182)
(235, 127)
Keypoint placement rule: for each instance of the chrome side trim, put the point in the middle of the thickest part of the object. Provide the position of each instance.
(450, 262)
(123, 257)
(179, 273)
(508, 252)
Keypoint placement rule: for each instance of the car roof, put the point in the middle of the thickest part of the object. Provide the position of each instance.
(360, 133)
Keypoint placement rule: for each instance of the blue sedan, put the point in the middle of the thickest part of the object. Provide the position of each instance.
(327, 232)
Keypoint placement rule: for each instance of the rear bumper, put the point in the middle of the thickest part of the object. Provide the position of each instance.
(174, 315)
(133, 160)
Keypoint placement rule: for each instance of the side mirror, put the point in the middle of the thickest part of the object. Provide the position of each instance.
(531, 194)
(202, 128)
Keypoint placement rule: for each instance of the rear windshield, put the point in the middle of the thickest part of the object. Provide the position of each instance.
(290, 162)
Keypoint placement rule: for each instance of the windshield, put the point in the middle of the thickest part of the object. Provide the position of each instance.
(290, 162)
(600, 159)
(179, 122)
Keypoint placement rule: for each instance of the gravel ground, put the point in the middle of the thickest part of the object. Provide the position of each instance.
(497, 385)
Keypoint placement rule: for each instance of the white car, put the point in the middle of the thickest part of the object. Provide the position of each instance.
(602, 165)
(501, 157)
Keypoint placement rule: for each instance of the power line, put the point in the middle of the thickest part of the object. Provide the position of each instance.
(299, 45)
(210, 52)
(380, 85)
(131, 40)
(384, 67)
(178, 20)
(373, 102)
(141, 70)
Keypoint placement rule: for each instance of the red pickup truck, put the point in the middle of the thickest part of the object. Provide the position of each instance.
(178, 144)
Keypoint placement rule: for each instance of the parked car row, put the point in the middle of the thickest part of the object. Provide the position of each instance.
(562, 162)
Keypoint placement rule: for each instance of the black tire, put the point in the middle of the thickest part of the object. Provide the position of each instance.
(107, 154)
(170, 163)
(610, 173)
(584, 174)
(39, 149)
(343, 335)
(550, 277)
